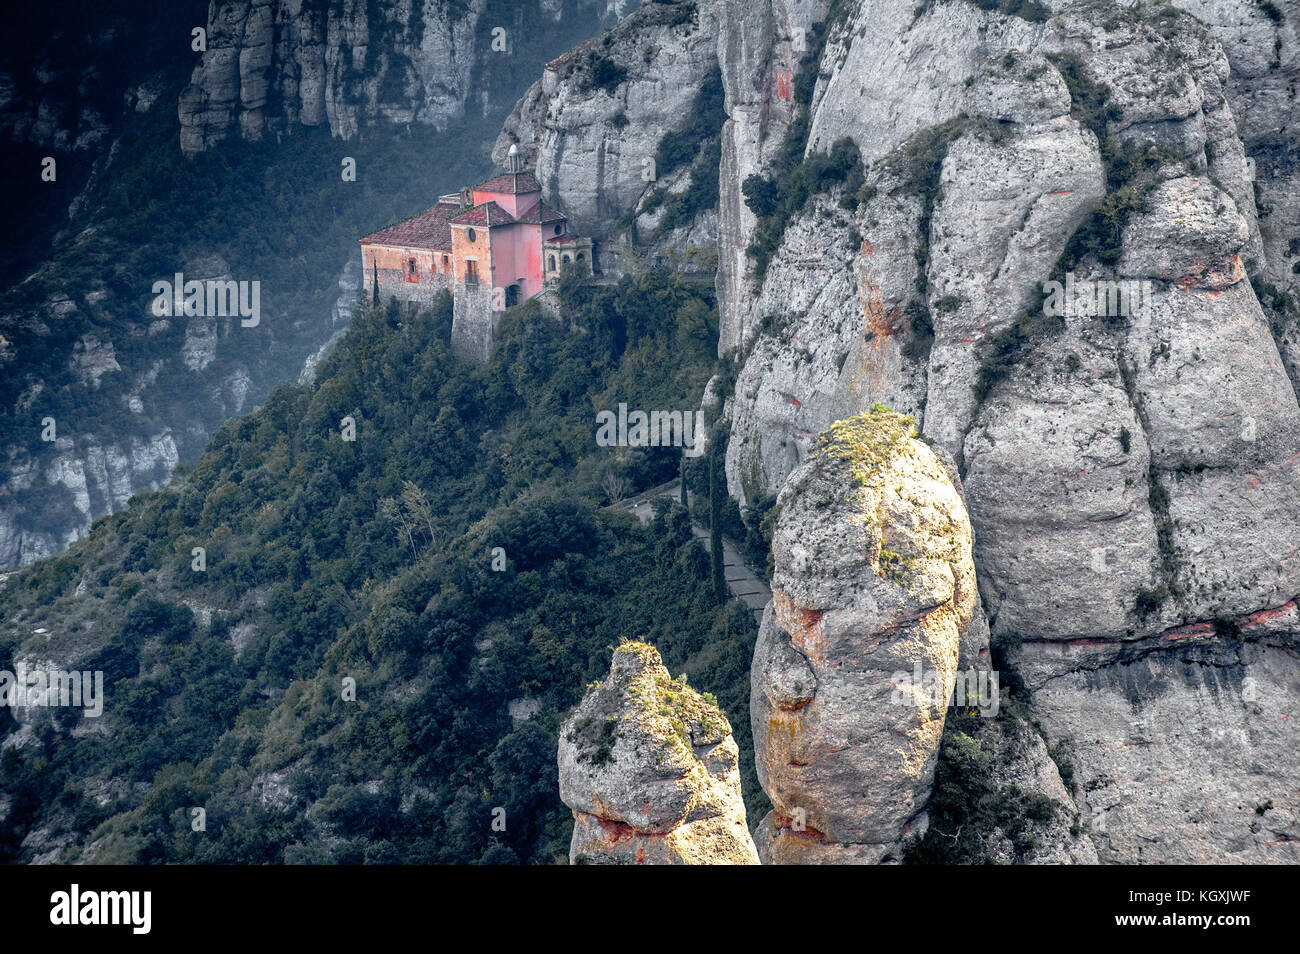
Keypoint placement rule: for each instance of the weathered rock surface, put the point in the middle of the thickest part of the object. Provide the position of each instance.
(1261, 43)
(1131, 478)
(649, 767)
(1019, 763)
(270, 64)
(594, 122)
(759, 48)
(47, 505)
(52, 491)
(873, 578)
(1182, 747)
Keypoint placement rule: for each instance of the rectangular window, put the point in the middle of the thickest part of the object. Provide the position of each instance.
(471, 272)
(411, 275)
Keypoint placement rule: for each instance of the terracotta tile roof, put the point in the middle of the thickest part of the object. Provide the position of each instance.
(485, 213)
(541, 213)
(427, 230)
(511, 183)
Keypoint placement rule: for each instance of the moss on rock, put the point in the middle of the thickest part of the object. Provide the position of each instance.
(866, 443)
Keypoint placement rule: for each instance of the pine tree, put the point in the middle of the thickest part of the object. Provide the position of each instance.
(717, 495)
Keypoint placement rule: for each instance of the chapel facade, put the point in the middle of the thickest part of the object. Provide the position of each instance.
(493, 245)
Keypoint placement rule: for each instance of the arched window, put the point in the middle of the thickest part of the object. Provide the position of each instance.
(559, 229)
(581, 256)
(568, 257)
(552, 266)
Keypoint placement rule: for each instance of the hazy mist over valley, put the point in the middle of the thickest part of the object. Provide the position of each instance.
(704, 432)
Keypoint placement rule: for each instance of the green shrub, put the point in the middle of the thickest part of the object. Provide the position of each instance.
(966, 807)
(319, 582)
(1003, 351)
(783, 194)
(604, 74)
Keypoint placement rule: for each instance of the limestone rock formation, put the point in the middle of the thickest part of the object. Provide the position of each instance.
(594, 122)
(1131, 475)
(1261, 42)
(46, 505)
(1043, 823)
(649, 767)
(51, 493)
(270, 64)
(873, 578)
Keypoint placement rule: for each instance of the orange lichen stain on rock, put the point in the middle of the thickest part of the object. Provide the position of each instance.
(602, 810)
(803, 626)
(785, 826)
(1263, 616)
(779, 726)
(873, 308)
(867, 248)
(872, 300)
(808, 617)
(640, 856)
(807, 635)
(1210, 283)
(614, 832)
(784, 89)
(1194, 631)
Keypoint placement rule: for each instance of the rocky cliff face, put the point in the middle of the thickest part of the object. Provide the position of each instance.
(272, 64)
(46, 506)
(649, 768)
(1262, 46)
(1127, 442)
(1131, 474)
(596, 124)
(61, 473)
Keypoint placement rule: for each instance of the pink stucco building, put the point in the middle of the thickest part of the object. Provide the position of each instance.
(497, 238)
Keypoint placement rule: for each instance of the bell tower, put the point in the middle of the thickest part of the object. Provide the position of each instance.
(512, 164)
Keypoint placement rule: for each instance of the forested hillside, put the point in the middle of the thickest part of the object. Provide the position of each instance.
(327, 560)
(93, 88)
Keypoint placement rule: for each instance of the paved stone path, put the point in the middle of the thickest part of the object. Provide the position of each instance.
(744, 583)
